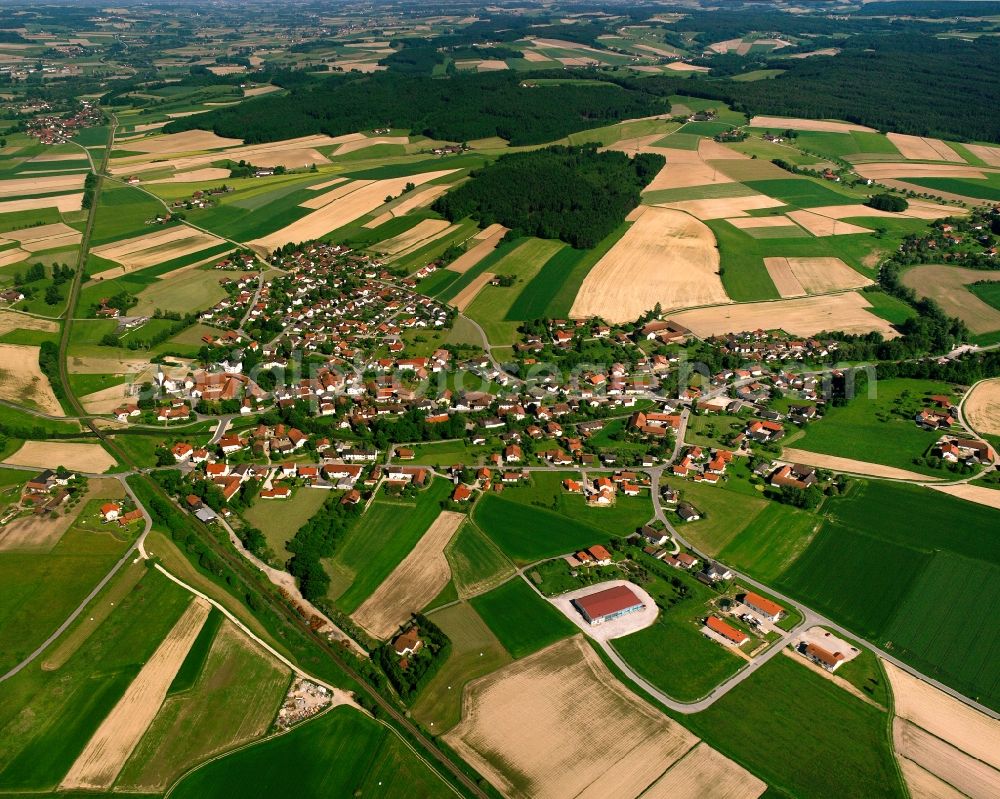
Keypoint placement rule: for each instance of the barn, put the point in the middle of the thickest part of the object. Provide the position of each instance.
(611, 603)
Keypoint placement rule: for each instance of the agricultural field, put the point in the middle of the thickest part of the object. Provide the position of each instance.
(477, 564)
(279, 520)
(521, 620)
(952, 288)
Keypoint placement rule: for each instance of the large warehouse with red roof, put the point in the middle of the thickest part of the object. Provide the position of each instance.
(602, 606)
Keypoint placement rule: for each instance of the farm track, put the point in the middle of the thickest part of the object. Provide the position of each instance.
(232, 559)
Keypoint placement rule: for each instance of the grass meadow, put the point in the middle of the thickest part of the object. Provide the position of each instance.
(280, 519)
(341, 753)
(476, 562)
(521, 620)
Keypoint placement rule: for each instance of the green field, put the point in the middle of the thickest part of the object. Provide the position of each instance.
(280, 519)
(987, 292)
(780, 705)
(770, 542)
(802, 192)
(521, 620)
(378, 542)
(194, 660)
(232, 699)
(445, 454)
(988, 189)
(878, 429)
(476, 562)
(122, 211)
(475, 652)
(725, 514)
(66, 706)
(342, 753)
(844, 144)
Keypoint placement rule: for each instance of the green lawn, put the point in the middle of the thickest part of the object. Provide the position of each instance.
(477, 564)
(521, 620)
(342, 753)
(445, 454)
(848, 753)
(475, 652)
(378, 542)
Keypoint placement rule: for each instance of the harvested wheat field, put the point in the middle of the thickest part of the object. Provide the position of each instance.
(102, 758)
(417, 199)
(974, 778)
(327, 197)
(981, 495)
(535, 56)
(464, 298)
(947, 286)
(12, 256)
(325, 184)
(420, 234)
(105, 400)
(413, 583)
(723, 207)
(195, 175)
(680, 66)
(636, 212)
(61, 202)
(188, 141)
(557, 724)
(919, 148)
(154, 248)
(795, 123)
(344, 210)
(804, 316)
(989, 155)
(751, 169)
(825, 226)
(848, 465)
(783, 278)
(21, 379)
(901, 169)
(104, 366)
(711, 150)
(820, 275)
(78, 456)
(360, 144)
(981, 408)
(924, 785)
(918, 209)
(475, 254)
(15, 187)
(940, 714)
(704, 773)
(45, 237)
(11, 320)
(759, 222)
(666, 257)
(684, 168)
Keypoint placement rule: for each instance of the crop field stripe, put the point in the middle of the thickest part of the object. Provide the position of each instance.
(538, 294)
(453, 289)
(195, 659)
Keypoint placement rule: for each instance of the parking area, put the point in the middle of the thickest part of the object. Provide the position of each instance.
(614, 628)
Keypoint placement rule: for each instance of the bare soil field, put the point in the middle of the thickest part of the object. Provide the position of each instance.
(724, 207)
(752, 169)
(180, 270)
(15, 187)
(636, 212)
(924, 785)
(21, 378)
(61, 202)
(756, 222)
(902, 169)
(104, 366)
(725, 46)
(955, 722)
(783, 278)
(848, 465)
(326, 183)
(666, 54)
(11, 320)
(344, 210)
(805, 316)
(464, 298)
(45, 237)
(919, 148)
(41, 533)
(491, 65)
(794, 123)
(981, 408)
(534, 56)
(475, 254)
(195, 175)
(819, 275)
(680, 66)
(918, 209)
(704, 773)
(711, 150)
(102, 758)
(188, 141)
(972, 777)
(947, 285)
(413, 583)
(422, 233)
(327, 197)
(360, 144)
(76, 456)
(823, 225)
(990, 155)
(972, 493)
(417, 199)
(666, 257)
(105, 400)
(13, 256)
(557, 725)
(684, 168)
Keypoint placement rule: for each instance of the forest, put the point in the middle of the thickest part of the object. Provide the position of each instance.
(461, 108)
(575, 194)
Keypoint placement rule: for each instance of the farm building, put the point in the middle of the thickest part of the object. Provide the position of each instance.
(823, 657)
(727, 631)
(611, 603)
(771, 611)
